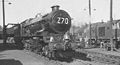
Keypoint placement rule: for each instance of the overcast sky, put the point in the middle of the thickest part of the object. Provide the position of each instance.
(21, 10)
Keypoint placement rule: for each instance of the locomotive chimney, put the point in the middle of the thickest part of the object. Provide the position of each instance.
(55, 8)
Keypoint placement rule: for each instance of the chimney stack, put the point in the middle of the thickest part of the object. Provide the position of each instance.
(55, 8)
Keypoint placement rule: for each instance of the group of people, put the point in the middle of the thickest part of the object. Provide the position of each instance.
(109, 45)
(104, 44)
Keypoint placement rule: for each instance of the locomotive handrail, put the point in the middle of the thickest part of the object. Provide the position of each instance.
(12, 24)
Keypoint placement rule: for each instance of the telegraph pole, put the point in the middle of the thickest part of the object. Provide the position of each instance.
(4, 35)
(111, 20)
(111, 7)
(90, 19)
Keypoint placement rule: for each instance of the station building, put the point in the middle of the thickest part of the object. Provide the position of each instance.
(102, 30)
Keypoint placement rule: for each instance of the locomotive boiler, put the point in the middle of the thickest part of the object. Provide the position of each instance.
(58, 21)
(45, 33)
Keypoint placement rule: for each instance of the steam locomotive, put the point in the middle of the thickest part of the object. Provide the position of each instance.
(42, 34)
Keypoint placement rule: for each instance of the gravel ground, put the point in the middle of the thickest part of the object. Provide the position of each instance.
(29, 58)
(75, 62)
(9, 55)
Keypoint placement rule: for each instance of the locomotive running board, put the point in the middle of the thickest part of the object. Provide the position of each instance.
(31, 36)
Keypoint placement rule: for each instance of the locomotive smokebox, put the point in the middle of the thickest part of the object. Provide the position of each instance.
(55, 8)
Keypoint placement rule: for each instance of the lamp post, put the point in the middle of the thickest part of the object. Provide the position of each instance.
(90, 20)
(4, 26)
(90, 35)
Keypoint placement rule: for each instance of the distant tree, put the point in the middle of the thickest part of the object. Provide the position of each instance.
(79, 29)
(82, 28)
